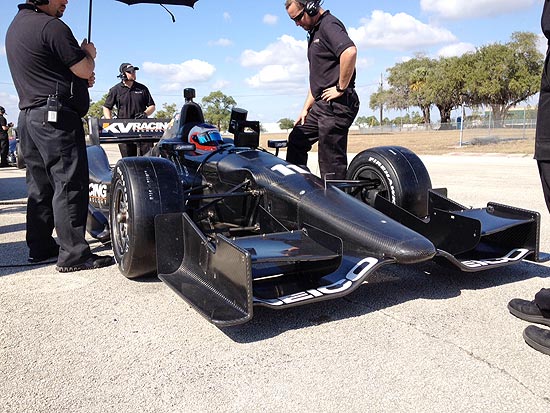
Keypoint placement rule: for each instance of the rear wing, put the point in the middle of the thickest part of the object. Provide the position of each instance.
(126, 130)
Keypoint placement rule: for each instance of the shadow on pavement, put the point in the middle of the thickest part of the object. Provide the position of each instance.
(13, 259)
(6, 229)
(388, 287)
(13, 189)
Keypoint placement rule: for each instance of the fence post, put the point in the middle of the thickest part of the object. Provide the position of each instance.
(461, 126)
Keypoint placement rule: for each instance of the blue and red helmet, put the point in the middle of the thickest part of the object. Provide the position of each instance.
(205, 137)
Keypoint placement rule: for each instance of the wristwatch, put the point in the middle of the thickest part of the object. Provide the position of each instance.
(338, 88)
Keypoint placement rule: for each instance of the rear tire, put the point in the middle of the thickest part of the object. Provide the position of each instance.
(404, 180)
(142, 188)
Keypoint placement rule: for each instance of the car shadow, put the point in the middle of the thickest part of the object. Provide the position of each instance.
(388, 287)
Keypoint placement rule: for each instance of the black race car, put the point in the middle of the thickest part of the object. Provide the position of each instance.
(228, 225)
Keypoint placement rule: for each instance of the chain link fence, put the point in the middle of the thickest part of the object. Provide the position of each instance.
(474, 130)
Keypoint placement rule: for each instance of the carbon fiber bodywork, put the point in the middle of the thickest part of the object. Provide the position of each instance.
(255, 230)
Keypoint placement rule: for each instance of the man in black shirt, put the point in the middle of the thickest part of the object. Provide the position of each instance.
(332, 103)
(133, 101)
(4, 139)
(52, 73)
(538, 310)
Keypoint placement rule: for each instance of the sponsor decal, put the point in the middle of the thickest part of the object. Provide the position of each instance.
(513, 256)
(353, 277)
(137, 127)
(98, 192)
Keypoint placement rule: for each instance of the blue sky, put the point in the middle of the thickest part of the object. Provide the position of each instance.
(252, 51)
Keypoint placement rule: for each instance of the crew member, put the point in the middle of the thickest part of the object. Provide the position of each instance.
(538, 310)
(52, 73)
(133, 101)
(332, 103)
(4, 139)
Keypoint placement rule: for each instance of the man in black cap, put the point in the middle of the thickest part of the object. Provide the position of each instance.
(4, 140)
(52, 74)
(133, 101)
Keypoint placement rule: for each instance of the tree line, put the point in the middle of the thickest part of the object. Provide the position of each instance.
(497, 75)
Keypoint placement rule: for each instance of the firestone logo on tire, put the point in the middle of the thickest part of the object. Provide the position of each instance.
(385, 171)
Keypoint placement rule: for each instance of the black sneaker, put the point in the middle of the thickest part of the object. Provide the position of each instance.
(53, 253)
(528, 311)
(95, 261)
(538, 338)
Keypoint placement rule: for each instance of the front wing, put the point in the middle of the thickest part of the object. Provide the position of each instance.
(224, 282)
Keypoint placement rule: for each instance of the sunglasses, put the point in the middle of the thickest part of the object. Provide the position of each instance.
(130, 71)
(299, 16)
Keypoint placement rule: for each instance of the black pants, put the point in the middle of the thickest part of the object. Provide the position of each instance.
(4, 149)
(57, 184)
(131, 149)
(328, 123)
(544, 172)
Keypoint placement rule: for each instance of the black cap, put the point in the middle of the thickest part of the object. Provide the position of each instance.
(125, 67)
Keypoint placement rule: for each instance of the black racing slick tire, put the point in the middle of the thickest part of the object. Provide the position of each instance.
(404, 180)
(141, 188)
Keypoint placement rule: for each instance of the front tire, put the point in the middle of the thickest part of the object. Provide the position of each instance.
(142, 187)
(404, 180)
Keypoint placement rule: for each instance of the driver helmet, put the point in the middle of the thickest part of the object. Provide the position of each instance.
(205, 137)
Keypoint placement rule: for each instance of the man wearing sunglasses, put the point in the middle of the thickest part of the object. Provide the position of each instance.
(332, 103)
(133, 101)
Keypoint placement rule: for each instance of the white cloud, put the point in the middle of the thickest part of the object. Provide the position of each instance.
(220, 85)
(398, 32)
(286, 50)
(227, 16)
(280, 77)
(222, 42)
(176, 76)
(461, 9)
(282, 65)
(270, 19)
(456, 49)
(363, 63)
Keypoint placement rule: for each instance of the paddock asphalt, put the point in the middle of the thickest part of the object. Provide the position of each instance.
(420, 338)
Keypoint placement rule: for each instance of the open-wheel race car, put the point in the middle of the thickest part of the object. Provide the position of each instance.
(229, 225)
